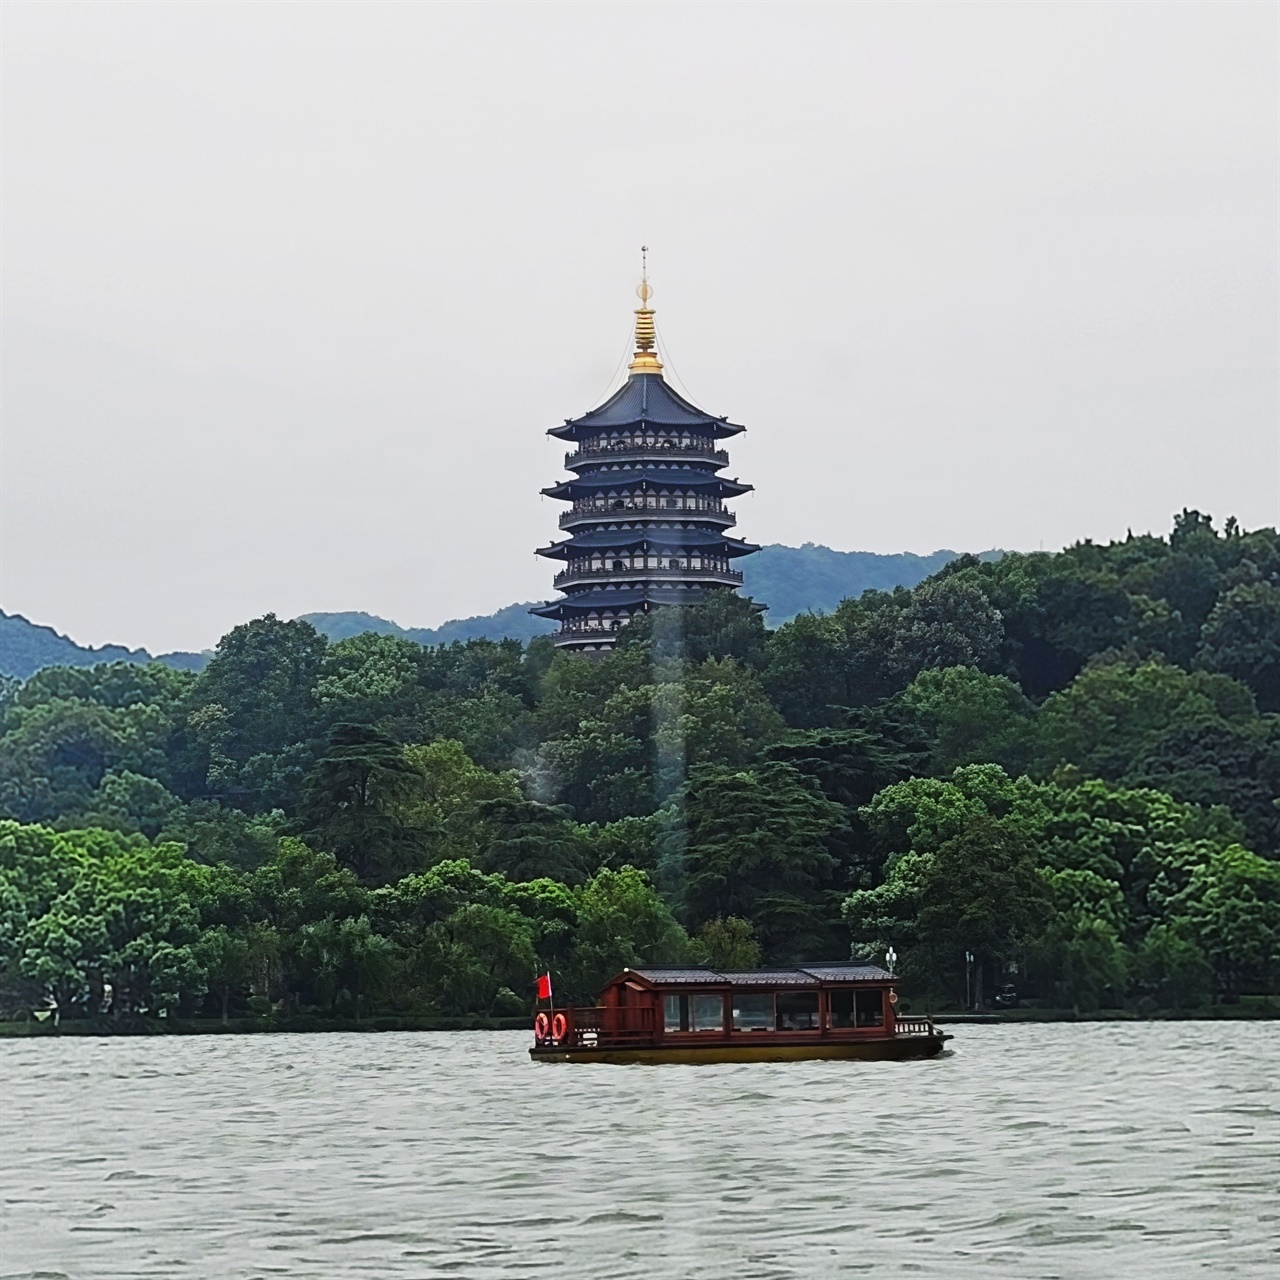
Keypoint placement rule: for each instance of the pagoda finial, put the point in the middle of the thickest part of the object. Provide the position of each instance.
(645, 359)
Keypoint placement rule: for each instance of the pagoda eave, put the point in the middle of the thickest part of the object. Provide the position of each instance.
(646, 482)
(646, 399)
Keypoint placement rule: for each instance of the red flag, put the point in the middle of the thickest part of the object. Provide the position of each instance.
(544, 987)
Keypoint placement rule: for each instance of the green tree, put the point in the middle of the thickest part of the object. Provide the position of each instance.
(971, 717)
(760, 844)
(1081, 951)
(978, 891)
(530, 841)
(1229, 908)
(347, 958)
(111, 923)
(128, 801)
(1118, 711)
(810, 671)
(727, 944)
(354, 798)
(256, 699)
(477, 955)
(633, 755)
(226, 959)
(622, 922)
(1241, 638)
(56, 753)
(725, 625)
(949, 623)
(1172, 969)
(370, 678)
(446, 815)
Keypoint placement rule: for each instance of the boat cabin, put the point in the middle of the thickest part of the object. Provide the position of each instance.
(684, 1007)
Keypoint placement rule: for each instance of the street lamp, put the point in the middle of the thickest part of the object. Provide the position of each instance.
(891, 958)
(968, 970)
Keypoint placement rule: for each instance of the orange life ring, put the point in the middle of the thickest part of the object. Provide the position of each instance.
(893, 997)
(559, 1027)
(541, 1027)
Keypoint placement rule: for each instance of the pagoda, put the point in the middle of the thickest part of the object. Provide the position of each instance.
(646, 521)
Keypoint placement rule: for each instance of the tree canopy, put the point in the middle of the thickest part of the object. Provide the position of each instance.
(1063, 764)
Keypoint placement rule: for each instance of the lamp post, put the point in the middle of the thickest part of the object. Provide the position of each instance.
(968, 971)
(891, 958)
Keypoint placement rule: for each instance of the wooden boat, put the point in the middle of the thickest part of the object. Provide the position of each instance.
(684, 1014)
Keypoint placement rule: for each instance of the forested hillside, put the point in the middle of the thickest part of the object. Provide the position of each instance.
(26, 647)
(1066, 764)
(815, 579)
(790, 580)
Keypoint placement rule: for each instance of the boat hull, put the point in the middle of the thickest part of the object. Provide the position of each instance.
(887, 1050)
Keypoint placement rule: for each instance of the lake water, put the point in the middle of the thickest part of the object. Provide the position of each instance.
(1132, 1150)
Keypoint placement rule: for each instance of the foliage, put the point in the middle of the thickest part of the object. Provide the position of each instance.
(727, 943)
(760, 845)
(976, 891)
(1066, 765)
(622, 922)
(353, 798)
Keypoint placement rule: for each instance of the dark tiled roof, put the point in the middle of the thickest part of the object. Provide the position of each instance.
(656, 537)
(645, 398)
(601, 598)
(676, 977)
(769, 977)
(847, 972)
(653, 477)
(801, 976)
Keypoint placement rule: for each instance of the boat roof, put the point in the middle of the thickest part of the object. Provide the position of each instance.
(809, 975)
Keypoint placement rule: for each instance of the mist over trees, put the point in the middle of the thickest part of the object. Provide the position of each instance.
(1064, 764)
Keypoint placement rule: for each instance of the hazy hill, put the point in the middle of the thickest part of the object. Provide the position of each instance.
(790, 580)
(514, 622)
(814, 579)
(25, 647)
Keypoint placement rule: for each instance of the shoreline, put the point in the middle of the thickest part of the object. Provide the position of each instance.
(1266, 1009)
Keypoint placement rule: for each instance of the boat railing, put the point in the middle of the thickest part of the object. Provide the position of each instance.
(913, 1027)
(606, 1024)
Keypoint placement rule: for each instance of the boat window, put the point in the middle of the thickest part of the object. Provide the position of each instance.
(797, 1010)
(869, 1008)
(707, 1012)
(753, 1013)
(675, 1013)
(840, 1003)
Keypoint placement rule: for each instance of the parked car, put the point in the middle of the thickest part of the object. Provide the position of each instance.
(1007, 997)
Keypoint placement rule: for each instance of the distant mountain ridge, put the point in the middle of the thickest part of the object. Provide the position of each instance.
(514, 622)
(26, 646)
(814, 579)
(790, 580)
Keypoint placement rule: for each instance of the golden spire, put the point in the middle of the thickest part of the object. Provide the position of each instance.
(645, 359)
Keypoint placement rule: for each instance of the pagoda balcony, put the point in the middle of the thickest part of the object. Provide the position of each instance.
(591, 627)
(628, 508)
(658, 449)
(593, 577)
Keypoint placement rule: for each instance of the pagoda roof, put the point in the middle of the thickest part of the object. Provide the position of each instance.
(600, 598)
(658, 537)
(645, 398)
(651, 477)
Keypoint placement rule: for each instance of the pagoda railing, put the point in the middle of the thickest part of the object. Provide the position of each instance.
(619, 508)
(592, 627)
(659, 449)
(631, 575)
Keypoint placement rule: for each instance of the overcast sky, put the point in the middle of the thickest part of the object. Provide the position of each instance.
(293, 291)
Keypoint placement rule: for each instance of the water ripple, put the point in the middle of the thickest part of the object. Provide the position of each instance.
(1071, 1152)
